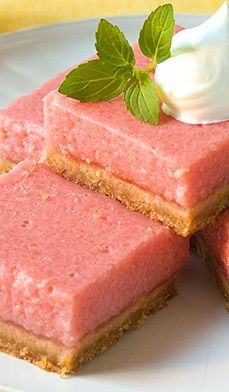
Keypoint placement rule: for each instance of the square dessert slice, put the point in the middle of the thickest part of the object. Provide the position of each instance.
(173, 172)
(22, 122)
(212, 244)
(77, 268)
(22, 126)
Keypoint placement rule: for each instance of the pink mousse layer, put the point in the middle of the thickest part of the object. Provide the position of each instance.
(216, 238)
(22, 122)
(71, 259)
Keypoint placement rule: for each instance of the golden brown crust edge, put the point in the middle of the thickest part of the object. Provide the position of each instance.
(213, 265)
(6, 165)
(52, 356)
(184, 222)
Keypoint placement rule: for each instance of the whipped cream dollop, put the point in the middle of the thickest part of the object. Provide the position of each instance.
(193, 83)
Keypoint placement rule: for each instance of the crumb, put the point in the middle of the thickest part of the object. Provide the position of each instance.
(179, 172)
(87, 160)
(99, 215)
(32, 148)
(143, 170)
(25, 173)
(44, 196)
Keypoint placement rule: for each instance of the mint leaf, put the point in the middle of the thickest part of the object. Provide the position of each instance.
(156, 34)
(115, 72)
(141, 98)
(95, 81)
(112, 46)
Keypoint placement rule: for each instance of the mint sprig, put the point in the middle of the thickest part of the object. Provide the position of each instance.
(114, 72)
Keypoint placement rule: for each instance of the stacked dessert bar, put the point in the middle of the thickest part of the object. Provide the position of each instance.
(77, 267)
(212, 244)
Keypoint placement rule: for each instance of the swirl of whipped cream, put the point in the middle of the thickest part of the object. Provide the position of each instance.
(193, 83)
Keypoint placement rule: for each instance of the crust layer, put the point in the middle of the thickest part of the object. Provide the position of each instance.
(184, 221)
(5, 165)
(54, 357)
(213, 265)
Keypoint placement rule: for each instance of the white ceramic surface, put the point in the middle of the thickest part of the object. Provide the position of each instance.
(182, 348)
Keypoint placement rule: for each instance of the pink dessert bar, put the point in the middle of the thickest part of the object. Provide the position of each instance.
(22, 126)
(212, 244)
(77, 269)
(174, 172)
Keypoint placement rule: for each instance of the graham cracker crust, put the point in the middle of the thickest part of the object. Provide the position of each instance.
(184, 221)
(52, 356)
(5, 165)
(213, 265)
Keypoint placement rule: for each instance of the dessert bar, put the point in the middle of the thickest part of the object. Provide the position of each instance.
(77, 268)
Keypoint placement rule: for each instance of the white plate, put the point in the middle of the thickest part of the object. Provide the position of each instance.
(182, 348)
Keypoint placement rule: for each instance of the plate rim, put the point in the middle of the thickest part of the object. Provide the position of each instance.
(49, 26)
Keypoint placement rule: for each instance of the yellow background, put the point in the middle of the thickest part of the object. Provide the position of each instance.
(16, 14)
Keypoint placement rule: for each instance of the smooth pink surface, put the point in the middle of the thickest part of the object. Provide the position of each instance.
(216, 238)
(71, 259)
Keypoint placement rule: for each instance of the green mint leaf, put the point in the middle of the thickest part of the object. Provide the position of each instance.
(95, 81)
(141, 98)
(112, 46)
(156, 34)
